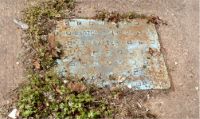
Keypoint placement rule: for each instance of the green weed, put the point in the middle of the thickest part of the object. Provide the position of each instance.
(47, 95)
(42, 20)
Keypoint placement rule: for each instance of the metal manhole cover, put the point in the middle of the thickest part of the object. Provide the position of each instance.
(106, 54)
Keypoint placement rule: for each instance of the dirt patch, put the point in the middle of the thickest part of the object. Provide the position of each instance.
(10, 47)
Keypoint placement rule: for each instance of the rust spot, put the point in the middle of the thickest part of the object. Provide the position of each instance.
(133, 33)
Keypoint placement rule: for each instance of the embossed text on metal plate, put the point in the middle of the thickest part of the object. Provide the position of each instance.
(107, 54)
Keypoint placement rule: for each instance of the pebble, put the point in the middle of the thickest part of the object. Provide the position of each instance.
(17, 63)
(197, 88)
(176, 63)
(13, 114)
(65, 81)
(129, 86)
(21, 24)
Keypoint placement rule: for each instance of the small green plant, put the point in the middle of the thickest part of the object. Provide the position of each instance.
(42, 20)
(49, 96)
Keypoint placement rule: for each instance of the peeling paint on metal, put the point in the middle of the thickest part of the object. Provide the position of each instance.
(106, 54)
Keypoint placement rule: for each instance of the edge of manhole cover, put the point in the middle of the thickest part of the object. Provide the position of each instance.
(107, 55)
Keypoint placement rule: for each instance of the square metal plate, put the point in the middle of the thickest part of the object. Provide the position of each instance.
(107, 54)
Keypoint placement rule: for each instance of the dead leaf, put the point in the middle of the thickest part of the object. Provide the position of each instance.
(58, 90)
(52, 44)
(77, 86)
(156, 20)
(151, 51)
(36, 64)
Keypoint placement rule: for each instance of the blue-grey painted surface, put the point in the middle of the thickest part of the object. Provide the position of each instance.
(107, 54)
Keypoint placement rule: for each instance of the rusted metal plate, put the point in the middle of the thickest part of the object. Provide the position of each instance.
(126, 54)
